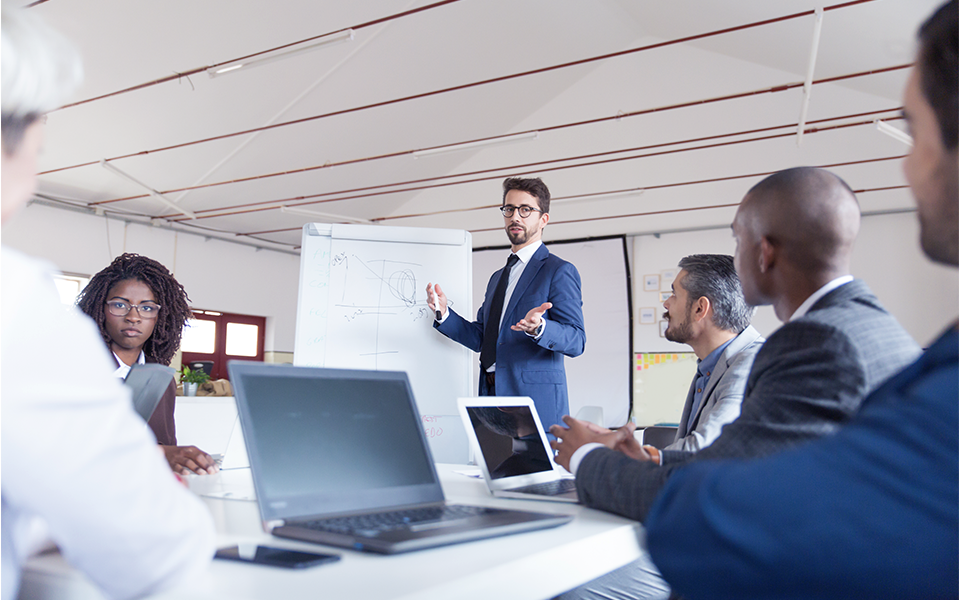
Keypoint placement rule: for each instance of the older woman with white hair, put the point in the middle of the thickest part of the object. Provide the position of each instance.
(80, 469)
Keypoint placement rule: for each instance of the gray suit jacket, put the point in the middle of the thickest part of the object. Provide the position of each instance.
(808, 378)
(721, 398)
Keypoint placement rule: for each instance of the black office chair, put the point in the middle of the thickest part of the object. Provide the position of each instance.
(658, 436)
(202, 365)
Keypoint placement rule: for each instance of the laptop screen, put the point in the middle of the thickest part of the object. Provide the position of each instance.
(509, 440)
(329, 440)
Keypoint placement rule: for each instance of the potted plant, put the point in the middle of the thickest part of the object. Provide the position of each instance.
(191, 380)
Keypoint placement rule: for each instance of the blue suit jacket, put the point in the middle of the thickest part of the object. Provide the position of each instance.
(870, 512)
(525, 366)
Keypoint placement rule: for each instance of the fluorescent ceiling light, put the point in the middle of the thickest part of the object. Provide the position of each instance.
(325, 216)
(280, 54)
(497, 141)
(808, 82)
(599, 196)
(893, 132)
(150, 190)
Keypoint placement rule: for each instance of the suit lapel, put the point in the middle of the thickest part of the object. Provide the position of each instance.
(682, 429)
(529, 273)
(739, 343)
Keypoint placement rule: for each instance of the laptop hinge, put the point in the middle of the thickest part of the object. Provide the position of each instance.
(268, 526)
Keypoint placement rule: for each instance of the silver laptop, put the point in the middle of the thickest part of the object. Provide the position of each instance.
(339, 457)
(512, 449)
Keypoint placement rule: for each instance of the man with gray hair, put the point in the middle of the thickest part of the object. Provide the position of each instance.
(707, 312)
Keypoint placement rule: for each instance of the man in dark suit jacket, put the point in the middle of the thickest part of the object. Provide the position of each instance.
(795, 231)
(537, 311)
(870, 512)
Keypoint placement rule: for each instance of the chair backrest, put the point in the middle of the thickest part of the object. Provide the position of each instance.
(202, 365)
(658, 436)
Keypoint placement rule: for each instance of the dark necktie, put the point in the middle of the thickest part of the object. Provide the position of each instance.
(491, 331)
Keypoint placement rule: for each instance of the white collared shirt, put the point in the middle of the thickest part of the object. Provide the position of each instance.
(524, 255)
(124, 368)
(809, 302)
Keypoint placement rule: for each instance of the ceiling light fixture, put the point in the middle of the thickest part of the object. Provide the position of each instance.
(811, 63)
(325, 216)
(150, 190)
(598, 196)
(261, 59)
(496, 141)
(893, 132)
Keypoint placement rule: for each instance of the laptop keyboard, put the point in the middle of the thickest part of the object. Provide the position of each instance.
(416, 519)
(549, 488)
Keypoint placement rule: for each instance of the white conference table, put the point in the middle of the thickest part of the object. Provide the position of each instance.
(533, 565)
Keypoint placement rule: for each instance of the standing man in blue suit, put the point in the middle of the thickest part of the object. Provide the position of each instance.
(871, 511)
(532, 312)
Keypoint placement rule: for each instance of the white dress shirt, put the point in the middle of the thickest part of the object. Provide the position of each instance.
(124, 369)
(77, 458)
(809, 302)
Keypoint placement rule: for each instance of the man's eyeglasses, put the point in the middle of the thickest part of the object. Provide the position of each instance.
(146, 310)
(525, 211)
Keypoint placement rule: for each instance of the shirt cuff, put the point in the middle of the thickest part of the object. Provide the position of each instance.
(540, 329)
(444, 318)
(582, 452)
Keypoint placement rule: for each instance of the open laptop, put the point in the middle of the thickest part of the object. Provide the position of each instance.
(339, 457)
(148, 383)
(512, 449)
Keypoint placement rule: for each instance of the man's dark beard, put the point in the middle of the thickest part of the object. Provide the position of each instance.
(679, 334)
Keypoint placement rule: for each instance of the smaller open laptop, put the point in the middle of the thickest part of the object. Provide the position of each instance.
(512, 449)
(340, 457)
(148, 383)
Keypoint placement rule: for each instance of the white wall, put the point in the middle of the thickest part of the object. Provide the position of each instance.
(217, 275)
(921, 295)
(228, 277)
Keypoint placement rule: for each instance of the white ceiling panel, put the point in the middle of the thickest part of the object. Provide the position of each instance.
(449, 74)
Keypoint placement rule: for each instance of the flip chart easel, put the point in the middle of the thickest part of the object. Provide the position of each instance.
(362, 304)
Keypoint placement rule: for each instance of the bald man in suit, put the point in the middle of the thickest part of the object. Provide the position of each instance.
(795, 232)
(870, 512)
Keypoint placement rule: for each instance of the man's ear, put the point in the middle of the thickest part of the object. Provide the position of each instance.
(700, 308)
(544, 219)
(767, 255)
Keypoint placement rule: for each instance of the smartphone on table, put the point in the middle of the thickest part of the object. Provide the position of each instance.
(275, 557)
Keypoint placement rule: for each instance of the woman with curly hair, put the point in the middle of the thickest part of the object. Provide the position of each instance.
(141, 310)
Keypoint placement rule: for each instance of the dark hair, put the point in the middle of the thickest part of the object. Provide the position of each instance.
(713, 276)
(937, 62)
(170, 295)
(533, 186)
(12, 130)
